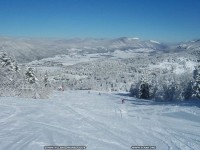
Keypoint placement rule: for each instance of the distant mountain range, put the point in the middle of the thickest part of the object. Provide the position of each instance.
(29, 49)
(191, 45)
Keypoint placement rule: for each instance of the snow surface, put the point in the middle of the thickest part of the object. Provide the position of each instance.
(99, 122)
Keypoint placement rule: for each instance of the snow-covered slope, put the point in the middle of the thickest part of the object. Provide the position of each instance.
(190, 45)
(100, 122)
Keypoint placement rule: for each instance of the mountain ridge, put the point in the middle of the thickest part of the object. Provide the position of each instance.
(29, 49)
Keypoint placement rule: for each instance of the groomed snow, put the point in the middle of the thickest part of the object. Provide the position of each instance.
(99, 122)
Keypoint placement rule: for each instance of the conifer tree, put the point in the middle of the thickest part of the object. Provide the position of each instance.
(30, 77)
(144, 87)
(45, 79)
(144, 90)
(188, 91)
(196, 87)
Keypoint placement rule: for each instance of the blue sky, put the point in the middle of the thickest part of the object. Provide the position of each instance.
(162, 20)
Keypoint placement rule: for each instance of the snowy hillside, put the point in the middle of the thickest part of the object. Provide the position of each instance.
(115, 73)
(119, 64)
(190, 45)
(100, 122)
(29, 49)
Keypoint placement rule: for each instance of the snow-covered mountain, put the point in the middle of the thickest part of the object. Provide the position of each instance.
(29, 49)
(190, 45)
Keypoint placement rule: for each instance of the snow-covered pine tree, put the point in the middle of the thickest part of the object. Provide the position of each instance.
(169, 91)
(45, 80)
(144, 90)
(7, 62)
(188, 91)
(134, 90)
(196, 84)
(43, 88)
(140, 88)
(9, 75)
(30, 76)
(144, 87)
(196, 87)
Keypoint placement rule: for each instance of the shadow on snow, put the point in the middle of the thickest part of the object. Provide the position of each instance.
(136, 101)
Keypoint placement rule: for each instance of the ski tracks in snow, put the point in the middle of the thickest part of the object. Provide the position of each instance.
(97, 121)
(109, 136)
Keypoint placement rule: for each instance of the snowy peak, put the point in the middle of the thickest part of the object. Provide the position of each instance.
(154, 41)
(137, 43)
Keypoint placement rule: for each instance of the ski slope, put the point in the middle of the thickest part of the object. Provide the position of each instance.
(100, 122)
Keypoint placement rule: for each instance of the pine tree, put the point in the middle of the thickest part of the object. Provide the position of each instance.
(134, 90)
(45, 79)
(188, 91)
(9, 75)
(7, 62)
(170, 91)
(196, 87)
(30, 77)
(144, 90)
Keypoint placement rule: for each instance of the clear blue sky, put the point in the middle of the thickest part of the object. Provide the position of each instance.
(162, 20)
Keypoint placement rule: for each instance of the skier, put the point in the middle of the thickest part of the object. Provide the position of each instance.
(123, 101)
(63, 87)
